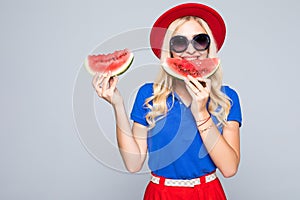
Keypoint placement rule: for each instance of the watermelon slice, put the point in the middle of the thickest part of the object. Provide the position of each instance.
(180, 68)
(117, 62)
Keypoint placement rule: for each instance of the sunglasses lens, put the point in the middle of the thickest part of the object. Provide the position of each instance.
(201, 42)
(178, 44)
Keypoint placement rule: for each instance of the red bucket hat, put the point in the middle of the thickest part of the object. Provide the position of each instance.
(209, 15)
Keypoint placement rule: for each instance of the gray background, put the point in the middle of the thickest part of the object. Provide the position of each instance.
(43, 45)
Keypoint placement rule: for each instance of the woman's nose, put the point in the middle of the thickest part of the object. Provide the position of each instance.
(190, 49)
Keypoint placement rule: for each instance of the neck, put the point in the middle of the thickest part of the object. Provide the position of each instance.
(180, 89)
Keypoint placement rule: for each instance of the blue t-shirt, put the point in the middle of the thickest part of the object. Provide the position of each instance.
(175, 147)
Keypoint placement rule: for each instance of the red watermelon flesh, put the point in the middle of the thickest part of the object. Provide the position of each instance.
(117, 62)
(180, 68)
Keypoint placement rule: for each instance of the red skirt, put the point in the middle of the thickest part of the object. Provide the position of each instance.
(205, 191)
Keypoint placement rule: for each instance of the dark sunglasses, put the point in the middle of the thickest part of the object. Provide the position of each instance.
(180, 43)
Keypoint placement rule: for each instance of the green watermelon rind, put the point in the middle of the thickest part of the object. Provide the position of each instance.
(176, 75)
(128, 64)
(123, 68)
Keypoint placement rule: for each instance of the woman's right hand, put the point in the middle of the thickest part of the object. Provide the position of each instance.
(105, 86)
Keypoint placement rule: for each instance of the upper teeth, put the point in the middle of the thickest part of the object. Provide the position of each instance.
(191, 58)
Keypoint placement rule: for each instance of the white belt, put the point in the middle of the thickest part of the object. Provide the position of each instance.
(184, 182)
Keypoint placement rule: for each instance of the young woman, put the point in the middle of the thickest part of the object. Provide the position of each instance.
(189, 129)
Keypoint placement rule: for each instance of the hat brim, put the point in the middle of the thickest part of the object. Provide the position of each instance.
(209, 15)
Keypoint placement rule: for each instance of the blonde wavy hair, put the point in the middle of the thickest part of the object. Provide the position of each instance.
(219, 104)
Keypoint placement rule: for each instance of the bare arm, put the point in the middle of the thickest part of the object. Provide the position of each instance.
(132, 142)
(224, 149)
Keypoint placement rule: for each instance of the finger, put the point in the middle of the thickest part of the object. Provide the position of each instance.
(95, 79)
(198, 82)
(191, 86)
(205, 83)
(111, 80)
(202, 83)
(208, 85)
(99, 86)
(99, 82)
(114, 82)
(106, 76)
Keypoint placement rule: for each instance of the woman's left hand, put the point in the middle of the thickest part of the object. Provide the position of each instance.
(200, 95)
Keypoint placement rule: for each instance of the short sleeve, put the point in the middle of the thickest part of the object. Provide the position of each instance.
(235, 113)
(139, 110)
